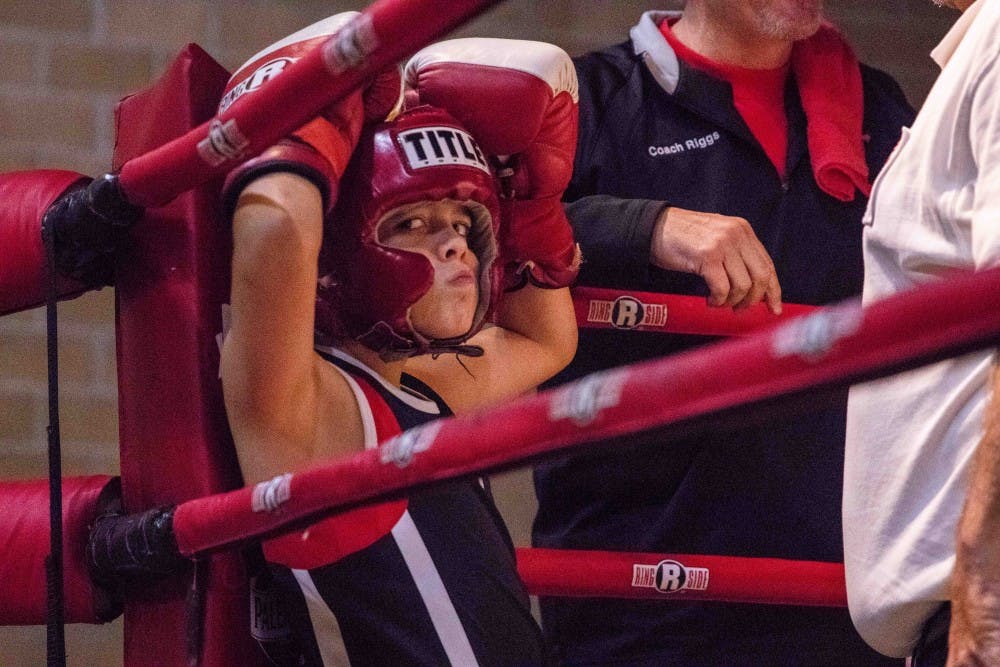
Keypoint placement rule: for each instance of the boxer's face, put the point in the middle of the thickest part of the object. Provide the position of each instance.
(439, 230)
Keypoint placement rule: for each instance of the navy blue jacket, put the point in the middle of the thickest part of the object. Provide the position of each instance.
(771, 489)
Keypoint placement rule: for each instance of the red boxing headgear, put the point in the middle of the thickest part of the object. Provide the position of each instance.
(368, 289)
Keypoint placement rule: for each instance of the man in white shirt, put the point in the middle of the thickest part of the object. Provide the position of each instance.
(922, 467)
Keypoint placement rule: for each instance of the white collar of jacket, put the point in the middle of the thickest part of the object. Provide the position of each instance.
(648, 42)
(943, 52)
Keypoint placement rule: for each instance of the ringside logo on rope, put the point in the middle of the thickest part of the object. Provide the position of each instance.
(270, 495)
(351, 45)
(811, 337)
(260, 76)
(669, 576)
(583, 401)
(627, 312)
(224, 142)
(400, 449)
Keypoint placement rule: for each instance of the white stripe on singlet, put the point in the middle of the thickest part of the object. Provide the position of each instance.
(435, 596)
(419, 562)
(404, 394)
(427, 579)
(367, 416)
(324, 623)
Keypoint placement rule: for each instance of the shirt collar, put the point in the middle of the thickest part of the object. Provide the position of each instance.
(943, 52)
(654, 49)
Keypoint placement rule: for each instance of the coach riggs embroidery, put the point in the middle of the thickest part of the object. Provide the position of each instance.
(695, 143)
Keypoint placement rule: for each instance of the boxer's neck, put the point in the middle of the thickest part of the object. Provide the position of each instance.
(391, 371)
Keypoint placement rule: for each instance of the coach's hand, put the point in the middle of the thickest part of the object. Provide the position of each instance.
(721, 249)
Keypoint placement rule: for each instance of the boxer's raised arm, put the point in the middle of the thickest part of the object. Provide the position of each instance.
(268, 373)
(283, 402)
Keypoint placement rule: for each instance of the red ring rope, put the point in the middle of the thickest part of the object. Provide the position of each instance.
(599, 308)
(831, 348)
(385, 32)
(614, 574)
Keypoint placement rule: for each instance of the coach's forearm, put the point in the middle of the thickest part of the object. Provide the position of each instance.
(975, 585)
(979, 526)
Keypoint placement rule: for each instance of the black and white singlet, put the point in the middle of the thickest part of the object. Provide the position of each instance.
(429, 580)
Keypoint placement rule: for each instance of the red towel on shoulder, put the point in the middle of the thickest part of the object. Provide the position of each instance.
(829, 80)
(828, 77)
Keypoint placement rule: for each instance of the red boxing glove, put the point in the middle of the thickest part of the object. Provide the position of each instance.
(320, 149)
(519, 99)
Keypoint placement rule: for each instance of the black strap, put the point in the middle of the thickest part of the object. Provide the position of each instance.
(55, 640)
(195, 612)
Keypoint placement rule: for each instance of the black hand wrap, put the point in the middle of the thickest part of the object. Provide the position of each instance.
(131, 547)
(88, 226)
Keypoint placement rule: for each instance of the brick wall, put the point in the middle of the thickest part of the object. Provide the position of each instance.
(66, 64)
